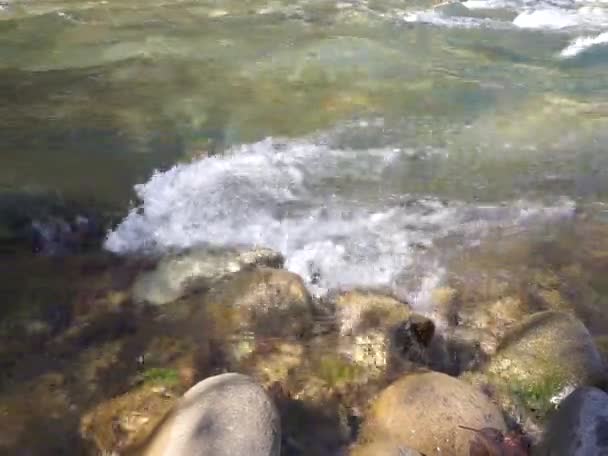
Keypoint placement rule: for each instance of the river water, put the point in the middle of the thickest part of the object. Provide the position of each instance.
(375, 143)
(351, 136)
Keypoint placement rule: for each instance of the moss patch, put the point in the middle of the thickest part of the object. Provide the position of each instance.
(159, 375)
(337, 371)
(537, 397)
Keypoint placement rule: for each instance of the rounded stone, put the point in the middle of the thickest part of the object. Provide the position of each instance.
(424, 411)
(224, 415)
(580, 426)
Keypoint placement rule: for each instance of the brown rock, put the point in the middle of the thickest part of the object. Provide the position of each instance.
(262, 301)
(373, 327)
(383, 448)
(424, 411)
(126, 421)
(358, 311)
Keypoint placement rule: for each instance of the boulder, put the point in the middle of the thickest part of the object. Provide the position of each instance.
(493, 317)
(126, 421)
(580, 426)
(384, 448)
(544, 355)
(225, 415)
(175, 276)
(260, 302)
(374, 326)
(424, 411)
(358, 311)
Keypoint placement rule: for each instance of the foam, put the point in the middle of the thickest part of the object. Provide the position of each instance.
(455, 15)
(583, 44)
(588, 16)
(554, 19)
(555, 15)
(292, 196)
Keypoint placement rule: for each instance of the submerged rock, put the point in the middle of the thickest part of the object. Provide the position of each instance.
(258, 303)
(538, 362)
(580, 426)
(384, 448)
(42, 408)
(373, 327)
(175, 276)
(276, 364)
(365, 323)
(494, 317)
(126, 421)
(225, 415)
(357, 311)
(543, 355)
(423, 411)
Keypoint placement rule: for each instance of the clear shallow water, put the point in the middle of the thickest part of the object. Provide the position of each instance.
(386, 144)
(395, 125)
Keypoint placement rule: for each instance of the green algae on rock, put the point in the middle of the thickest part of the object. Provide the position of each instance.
(262, 301)
(540, 360)
(373, 327)
(126, 421)
(546, 352)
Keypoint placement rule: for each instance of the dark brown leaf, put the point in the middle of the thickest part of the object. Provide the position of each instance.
(492, 442)
(485, 442)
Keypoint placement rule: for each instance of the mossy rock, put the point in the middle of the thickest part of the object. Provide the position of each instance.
(543, 355)
(337, 371)
(161, 376)
(126, 421)
(494, 316)
(375, 327)
(262, 301)
(358, 311)
(177, 275)
(275, 365)
(41, 408)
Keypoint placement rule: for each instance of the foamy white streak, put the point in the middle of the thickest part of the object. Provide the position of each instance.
(552, 18)
(583, 44)
(537, 15)
(486, 4)
(290, 196)
(546, 19)
(451, 15)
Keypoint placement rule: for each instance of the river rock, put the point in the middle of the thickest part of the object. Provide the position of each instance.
(384, 448)
(225, 415)
(126, 421)
(580, 426)
(260, 302)
(373, 326)
(423, 411)
(175, 276)
(543, 356)
(495, 316)
(357, 311)
(453, 9)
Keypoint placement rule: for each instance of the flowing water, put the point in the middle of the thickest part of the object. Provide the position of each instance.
(372, 142)
(349, 135)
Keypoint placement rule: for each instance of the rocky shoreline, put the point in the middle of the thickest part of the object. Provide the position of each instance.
(507, 368)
